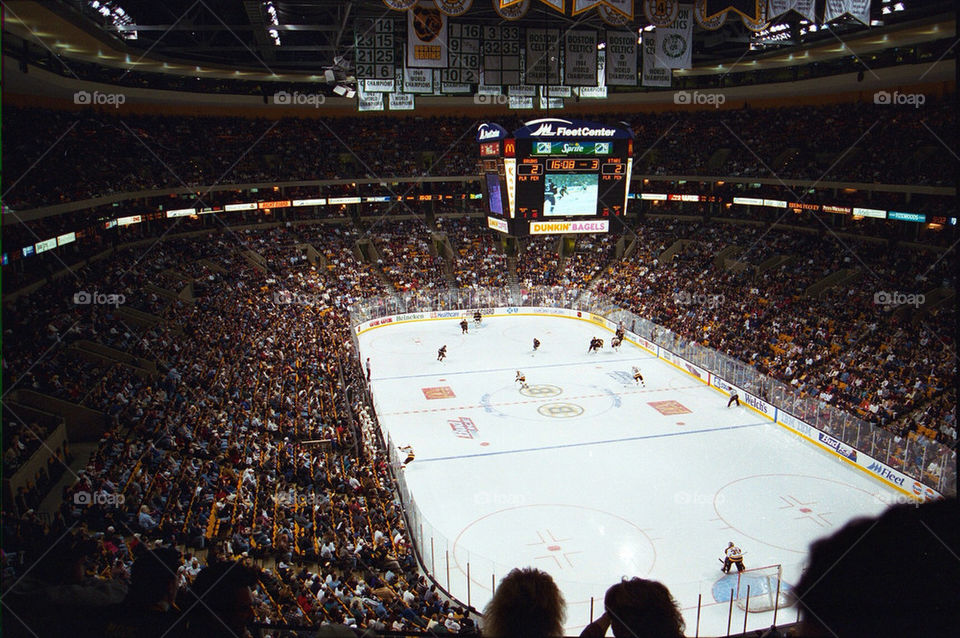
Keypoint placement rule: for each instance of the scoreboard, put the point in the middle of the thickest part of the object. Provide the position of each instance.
(555, 176)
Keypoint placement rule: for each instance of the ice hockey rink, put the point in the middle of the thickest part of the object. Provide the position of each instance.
(591, 477)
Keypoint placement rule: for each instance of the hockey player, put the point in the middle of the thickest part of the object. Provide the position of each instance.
(409, 450)
(621, 333)
(732, 555)
(477, 317)
(536, 344)
(442, 353)
(522, 380)
(463, 326)
(637, 377)
(734, 398)
(616, 342)
(595, 345)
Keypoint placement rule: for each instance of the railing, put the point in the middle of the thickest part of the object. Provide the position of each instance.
(911, 456)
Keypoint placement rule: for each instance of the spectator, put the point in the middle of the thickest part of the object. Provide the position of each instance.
(527, 604)
(638, 608)
(845, 589)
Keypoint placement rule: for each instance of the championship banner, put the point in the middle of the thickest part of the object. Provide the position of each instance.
(623, 7)
(859, 9)
(454, 7)
(513, 10)
(399, 5)
(543, 56)
(555, 4)
(580, 67)
(369, 101)
(621, 58)
(757, 25)
(426, 37)
(417, 81)
(579, 6)
(700, 15)
(776, 8)
(661, 13)
(613, 18)
(652, 74)
(747, 8)
(675, 43)
(400, 101)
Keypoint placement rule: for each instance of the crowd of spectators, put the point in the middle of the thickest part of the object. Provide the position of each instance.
(107, 152)
(252, 441)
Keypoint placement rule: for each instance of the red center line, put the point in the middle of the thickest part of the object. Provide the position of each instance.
(539, 400)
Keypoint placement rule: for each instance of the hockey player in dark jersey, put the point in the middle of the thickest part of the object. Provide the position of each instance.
(463, 326)
(595, 344)
(522, 380)
(442, 353)
(477, 317)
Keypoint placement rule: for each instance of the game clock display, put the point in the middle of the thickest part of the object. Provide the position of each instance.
(554, 170)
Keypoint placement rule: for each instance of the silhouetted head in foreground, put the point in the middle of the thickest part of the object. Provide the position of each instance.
(896, 575)
(527, 604)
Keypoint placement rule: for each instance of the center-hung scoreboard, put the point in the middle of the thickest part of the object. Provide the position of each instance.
(555, 176)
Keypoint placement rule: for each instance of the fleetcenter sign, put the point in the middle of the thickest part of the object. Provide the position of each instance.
(554, 228)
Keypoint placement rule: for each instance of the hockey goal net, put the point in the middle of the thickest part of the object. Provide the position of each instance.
(762, 589)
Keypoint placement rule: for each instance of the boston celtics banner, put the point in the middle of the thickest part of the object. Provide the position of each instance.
(675, 42)
(621, 58)
(652, 74)
(580, 58)
(426, 37)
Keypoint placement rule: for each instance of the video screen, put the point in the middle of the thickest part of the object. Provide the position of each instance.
(493, 192)
(570, 194)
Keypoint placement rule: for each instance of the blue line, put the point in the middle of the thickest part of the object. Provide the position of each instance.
(546, 365)
(566, 445)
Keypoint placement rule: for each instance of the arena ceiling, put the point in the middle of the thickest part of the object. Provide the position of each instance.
(307, 36)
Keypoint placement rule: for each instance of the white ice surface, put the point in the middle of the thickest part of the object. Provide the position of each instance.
(619, 489)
